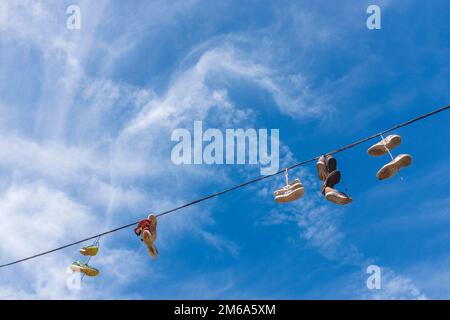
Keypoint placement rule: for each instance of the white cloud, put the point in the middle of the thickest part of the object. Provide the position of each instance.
(30, 212)
(353, 285)
(207, 286)
(191, 95)
(219, 243)
(49, 160)
(395, 287)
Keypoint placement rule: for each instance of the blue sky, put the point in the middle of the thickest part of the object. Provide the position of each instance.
(86, 118)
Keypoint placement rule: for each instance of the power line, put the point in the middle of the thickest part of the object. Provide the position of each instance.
(351, 145)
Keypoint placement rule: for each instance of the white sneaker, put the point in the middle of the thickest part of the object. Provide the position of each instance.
(388, 170)
(336, 196)
(293, 191)
(392, 141)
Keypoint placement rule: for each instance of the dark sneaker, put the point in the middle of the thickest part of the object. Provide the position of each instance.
(388, 170)
(332, 179)
(336, 196)
(331, 163)
(325, 165)
(392, 141)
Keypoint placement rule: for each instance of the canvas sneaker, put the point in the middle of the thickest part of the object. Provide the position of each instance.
(325, 165)
(388, 170)
(147, 230)
(332, 179)
(89, 251)
(78, 266)
(293, 191)
(392, 141)
(336, 196)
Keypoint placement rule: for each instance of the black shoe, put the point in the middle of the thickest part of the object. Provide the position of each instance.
(332, 179)
(331, 163)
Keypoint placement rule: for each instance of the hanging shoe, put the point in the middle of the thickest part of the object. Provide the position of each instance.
(388, 170)
(147, 230)
(336, 196)
(78, 266)
(89, 251)
(153, 225)
(331, 163)
(332, 179)
(148, 223)
(392, 141)
(149, 240)
(325, 165)
(293, 191)
(322, 168)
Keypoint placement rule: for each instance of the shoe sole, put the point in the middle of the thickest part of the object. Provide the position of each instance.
(86, 271)
(89, 252)
(150, 244)
(290, 195)
(379, 148)
(293, 185)
(338, 198)
(388, 170)
(152, 251)
(90, 272)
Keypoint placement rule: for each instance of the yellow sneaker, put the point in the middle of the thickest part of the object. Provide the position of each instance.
(78, 266)
(89, 251)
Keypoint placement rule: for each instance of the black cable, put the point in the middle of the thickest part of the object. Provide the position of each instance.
(234, 187)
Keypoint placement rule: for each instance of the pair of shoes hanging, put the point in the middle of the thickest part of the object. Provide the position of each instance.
(385, 146)
(84, 268)
(328, 173)
(146, 229)
(293, 190)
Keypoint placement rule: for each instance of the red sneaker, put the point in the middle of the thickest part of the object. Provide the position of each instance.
(146, 229)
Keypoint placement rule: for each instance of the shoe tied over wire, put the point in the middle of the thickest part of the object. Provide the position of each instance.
(89, 250)
(147, 230)
(325, 165)
(387, 144)
(292, 191)
(388, 170)
(328, 173)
